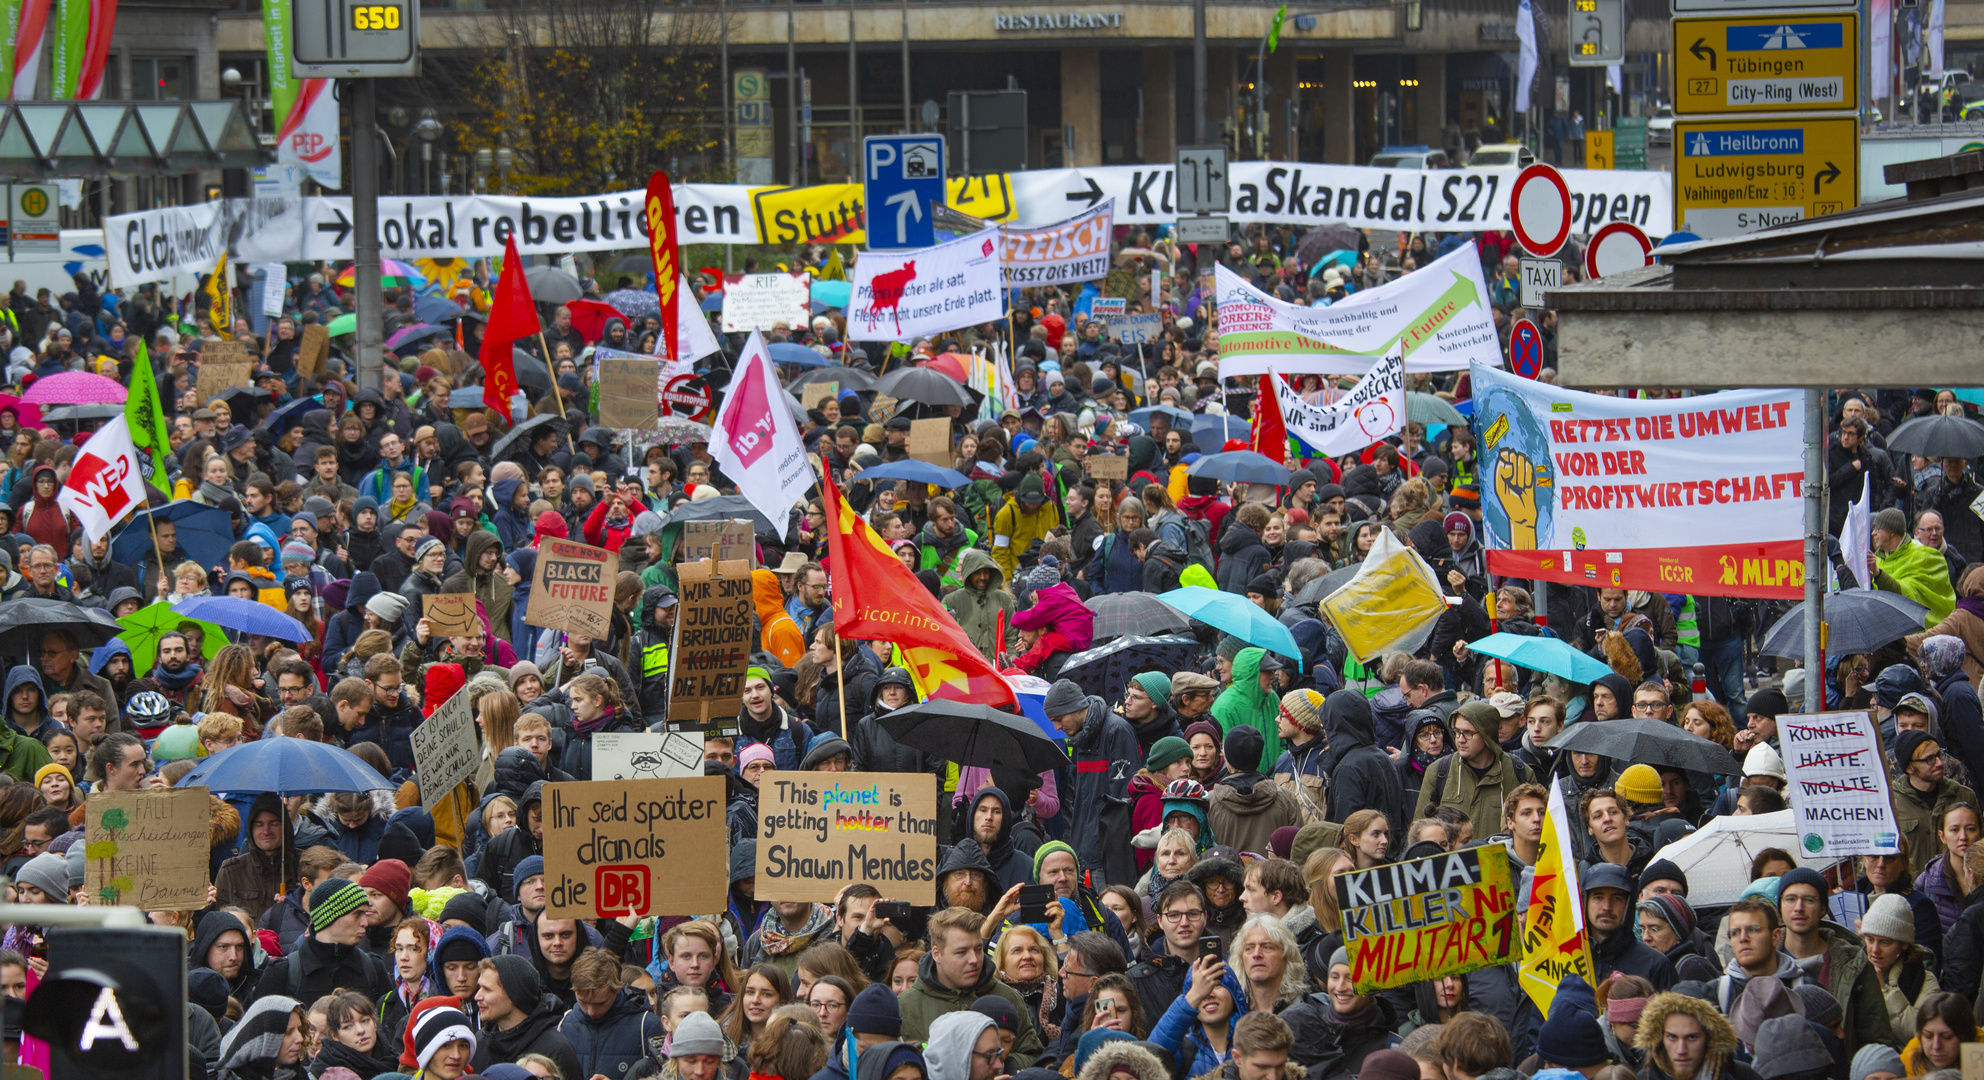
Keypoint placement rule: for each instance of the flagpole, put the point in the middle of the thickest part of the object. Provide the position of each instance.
(555, 394)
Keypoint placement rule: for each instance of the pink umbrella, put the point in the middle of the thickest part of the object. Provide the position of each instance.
(30, 414)
(75, 388)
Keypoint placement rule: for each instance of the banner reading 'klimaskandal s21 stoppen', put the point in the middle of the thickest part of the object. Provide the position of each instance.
(1697, 495)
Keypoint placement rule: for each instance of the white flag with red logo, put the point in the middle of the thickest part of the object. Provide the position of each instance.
(756, 442)
(104, 484)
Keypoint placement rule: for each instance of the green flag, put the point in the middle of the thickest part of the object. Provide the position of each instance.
(1274, 32)
(146, 419)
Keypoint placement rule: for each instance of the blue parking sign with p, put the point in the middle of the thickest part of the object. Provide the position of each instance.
(905, 179)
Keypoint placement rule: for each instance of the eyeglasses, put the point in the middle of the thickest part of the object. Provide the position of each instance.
(989, 1057)
(1184, 916)
(1649, 706)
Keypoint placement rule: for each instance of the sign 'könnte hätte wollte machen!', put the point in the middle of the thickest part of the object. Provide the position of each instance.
(1426, 918)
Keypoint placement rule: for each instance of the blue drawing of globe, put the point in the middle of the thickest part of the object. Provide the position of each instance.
(1525, 436)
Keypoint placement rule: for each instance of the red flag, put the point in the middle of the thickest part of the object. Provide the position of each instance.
(667, 266)
(1270, 435)
(511, 316)
(876, 598)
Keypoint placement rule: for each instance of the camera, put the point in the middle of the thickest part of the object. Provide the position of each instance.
(893, 910)
(1033, 902)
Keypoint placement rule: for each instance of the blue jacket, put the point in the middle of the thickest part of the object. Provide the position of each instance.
(610, 1045)
(1179, 1032)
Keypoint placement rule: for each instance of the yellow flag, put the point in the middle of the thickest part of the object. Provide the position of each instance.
(1553, 939)
(220, 300)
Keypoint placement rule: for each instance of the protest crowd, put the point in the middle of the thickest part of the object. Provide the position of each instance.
(1162, 903)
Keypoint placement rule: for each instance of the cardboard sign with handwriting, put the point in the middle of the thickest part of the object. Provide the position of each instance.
(724, 541)
(217, 375)
(712, 645)
(635, 847)
(930, 440)
(627, 397)
(572, 589)
(1109, 466)
(450, 614)
(819, 832)
(812, 394)
(445, 750)
(313, 350)
(147, 849)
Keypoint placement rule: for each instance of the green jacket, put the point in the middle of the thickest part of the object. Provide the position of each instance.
(20, 756)
(1481, 796)
(1921, 575)
(929, 999)
(1854, 982)
(1916, 812)
(1245, 702)
(978, 612)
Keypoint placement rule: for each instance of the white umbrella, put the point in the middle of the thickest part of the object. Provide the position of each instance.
(1717, 857)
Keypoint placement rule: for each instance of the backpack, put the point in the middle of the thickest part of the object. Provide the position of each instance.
(1198, 541)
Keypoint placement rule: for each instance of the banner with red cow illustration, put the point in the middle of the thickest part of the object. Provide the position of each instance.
(902, 295)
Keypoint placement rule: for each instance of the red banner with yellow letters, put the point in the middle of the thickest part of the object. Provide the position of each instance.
(667, 264)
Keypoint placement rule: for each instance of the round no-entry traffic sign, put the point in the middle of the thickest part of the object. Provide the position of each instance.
(1540, 210)
(1617, 247)
(684, 399)
(1526, 349)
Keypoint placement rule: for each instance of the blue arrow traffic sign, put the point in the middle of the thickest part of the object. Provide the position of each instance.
(905, 178)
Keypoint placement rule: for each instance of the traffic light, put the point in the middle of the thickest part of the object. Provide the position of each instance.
(113, 1005)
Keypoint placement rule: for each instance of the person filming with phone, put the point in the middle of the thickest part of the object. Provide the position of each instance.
(1197, 1026)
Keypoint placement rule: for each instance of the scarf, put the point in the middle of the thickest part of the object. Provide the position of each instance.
(396, 510)
(1050, 1004)
(587, 727)
(1972, 604)
(214, 493)
(179, 682)
(773, 939)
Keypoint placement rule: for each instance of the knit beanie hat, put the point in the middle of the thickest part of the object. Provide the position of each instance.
(1229, 647)
(298, 551)
(48, 872)
(1571, 1038)
(755, 752)
(426, 542)
(332, 900)
(1663, 870)
(52, 768)
(1889, 916)
(1907, 744)
(1891, 521)
(1821, 1007)
(1763, 761)
(1672, 910)
(1770, 701)
(467, 907)
(388, 606)
(1003, 1015)
(1787, 1046)
(1803, 875)
(518, 977)
(1305, 707)
(1063, 698)
(1164, 751)
(389, 876)
(1877, 1057)
(1050, 847)
(1389, 1065)
(1639, 783)
(528, 867)
(437, 1028)
(698, 1033)
(1156, 684)
(1243, 748)
(874, 1012)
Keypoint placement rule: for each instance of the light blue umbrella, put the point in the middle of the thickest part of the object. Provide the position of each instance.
(1241, 467)
(917, 472)
(1549, 655)
(244, 616)
(1180, 417)
(285, 767)
(1236, 615)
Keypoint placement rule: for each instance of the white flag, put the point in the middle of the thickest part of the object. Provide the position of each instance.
(756, 441)
(1526, 62)
(1855, 537)
(104, 484)
(1372, 410)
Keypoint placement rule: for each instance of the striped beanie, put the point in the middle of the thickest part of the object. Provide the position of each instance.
(332, 900)
(437, 1028)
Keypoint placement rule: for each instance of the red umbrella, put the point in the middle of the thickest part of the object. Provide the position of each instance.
(589, 317)
(74, 388)
(948, 363)
(30, 414)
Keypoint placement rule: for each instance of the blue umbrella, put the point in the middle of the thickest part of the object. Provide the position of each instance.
(285, 767)
(833, 293)
(1549, 655)
(917, 472)
(244, 616)
(1236, 615)
(1180, 417)
(278, 418)
(785, 352)
(1211, 432)
(416, 333)
(1242, 467)
(436, 309)
(205, 533)
(713, 302)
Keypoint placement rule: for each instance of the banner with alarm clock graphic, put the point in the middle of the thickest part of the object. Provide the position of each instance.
(1622, 493)
(1372, 410)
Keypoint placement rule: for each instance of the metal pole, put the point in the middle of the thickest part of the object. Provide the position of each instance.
(908, 119)
(729, 142)
(792, 91)
(1815, 549)
(365, 231)
(1198, 72)
(853, 104)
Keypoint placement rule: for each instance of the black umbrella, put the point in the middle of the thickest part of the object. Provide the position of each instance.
(1649, 741)
(22, 622)
(550, 285)
(515, 435)
(1857, 621)
(1120, 614)
(1939, 436)
(975, 735)
(924, 385)
(848, 378)
(532, 374)
(242, 399)
(1106, 669)
(721, 508)
(58, 413)
(1323, 239)
(1314, 591)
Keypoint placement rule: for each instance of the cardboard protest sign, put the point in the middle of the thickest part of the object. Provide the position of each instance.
(450, 614)
(635, 847)
(1423, 919)
(313, 349)
(572, 589)
(821, 831)
(1109, 466)
(812, 394)
(645, 755)
(445, 750)
(218, 374)
(147, 849)
(766, 301)
(724, 541)
(930, 440)
(1838, 785)
(712, 645)
(627, 397)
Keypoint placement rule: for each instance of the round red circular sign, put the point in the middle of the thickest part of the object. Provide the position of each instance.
(685, 400)
(1619, 246)
(1540, 210)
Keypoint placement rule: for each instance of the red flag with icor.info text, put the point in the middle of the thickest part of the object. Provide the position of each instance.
(876, 598)
(511, 316)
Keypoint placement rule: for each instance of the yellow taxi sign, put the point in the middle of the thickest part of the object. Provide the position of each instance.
(1739, 176)
(1796, 62)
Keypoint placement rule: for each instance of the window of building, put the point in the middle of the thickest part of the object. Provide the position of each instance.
(161, 78)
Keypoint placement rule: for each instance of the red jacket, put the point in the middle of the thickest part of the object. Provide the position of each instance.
(602, 535)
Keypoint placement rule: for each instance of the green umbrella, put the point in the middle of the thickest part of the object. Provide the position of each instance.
(1425, 408)
(343, 324)
(143, 628)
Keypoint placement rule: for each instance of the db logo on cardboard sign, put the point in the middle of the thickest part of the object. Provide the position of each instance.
(622, 890)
